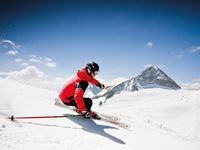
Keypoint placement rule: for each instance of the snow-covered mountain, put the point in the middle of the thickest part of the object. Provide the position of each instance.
(152, 77)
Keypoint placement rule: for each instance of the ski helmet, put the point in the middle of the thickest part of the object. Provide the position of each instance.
(92, 67)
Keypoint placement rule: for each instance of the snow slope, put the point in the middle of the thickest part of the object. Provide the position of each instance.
(160, 120)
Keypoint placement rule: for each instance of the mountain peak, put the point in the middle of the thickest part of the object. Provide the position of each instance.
(154, 77)
(151, 77)
(152, 67)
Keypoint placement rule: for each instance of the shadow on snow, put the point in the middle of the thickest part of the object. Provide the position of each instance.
(90, 125)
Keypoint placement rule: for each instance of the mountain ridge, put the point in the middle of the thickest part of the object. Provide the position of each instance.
(152, 77)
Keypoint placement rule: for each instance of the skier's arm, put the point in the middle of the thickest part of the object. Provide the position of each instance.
(94, 81)
(97, 83)
(78, 96)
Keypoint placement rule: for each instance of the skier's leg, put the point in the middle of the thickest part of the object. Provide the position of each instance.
(71, 103)
(88, 103)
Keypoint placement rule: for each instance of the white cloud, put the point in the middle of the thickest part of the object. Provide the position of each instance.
(35, 60)
(48, 59)
(29, 73)
(12, 44)
(3, 74)
(194, 49)
(50, 64)
(12, 49)
(12, 52)
(9, 44)
(18, 60)
(149, 44)
(194, 85)
(32, 55)
(24, 64)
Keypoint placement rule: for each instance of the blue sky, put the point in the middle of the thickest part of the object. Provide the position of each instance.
(59, 37)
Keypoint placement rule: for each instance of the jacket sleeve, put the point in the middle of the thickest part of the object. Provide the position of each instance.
(78, 95)
(94, 81)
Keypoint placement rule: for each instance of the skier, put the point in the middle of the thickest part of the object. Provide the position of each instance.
(72, 93)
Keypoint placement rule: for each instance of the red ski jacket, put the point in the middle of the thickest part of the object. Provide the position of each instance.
(75, 88)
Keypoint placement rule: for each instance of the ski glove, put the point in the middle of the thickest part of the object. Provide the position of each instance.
(101, 86)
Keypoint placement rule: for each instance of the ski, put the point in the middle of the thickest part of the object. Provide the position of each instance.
(105, 118)
(59, 103)
(120, 124)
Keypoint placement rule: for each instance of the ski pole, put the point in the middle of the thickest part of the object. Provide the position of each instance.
(12, 118)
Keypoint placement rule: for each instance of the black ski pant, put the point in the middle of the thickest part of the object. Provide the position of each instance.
(87, 102)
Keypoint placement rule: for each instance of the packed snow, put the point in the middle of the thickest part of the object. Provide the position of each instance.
(160, 120)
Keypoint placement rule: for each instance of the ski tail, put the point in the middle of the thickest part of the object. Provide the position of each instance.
(120, 124)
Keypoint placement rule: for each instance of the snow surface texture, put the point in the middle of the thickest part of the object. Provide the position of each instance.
(160, 120)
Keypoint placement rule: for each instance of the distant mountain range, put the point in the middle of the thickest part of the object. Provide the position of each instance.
(152, 77)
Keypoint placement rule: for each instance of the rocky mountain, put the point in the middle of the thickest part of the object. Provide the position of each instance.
(152, 77)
